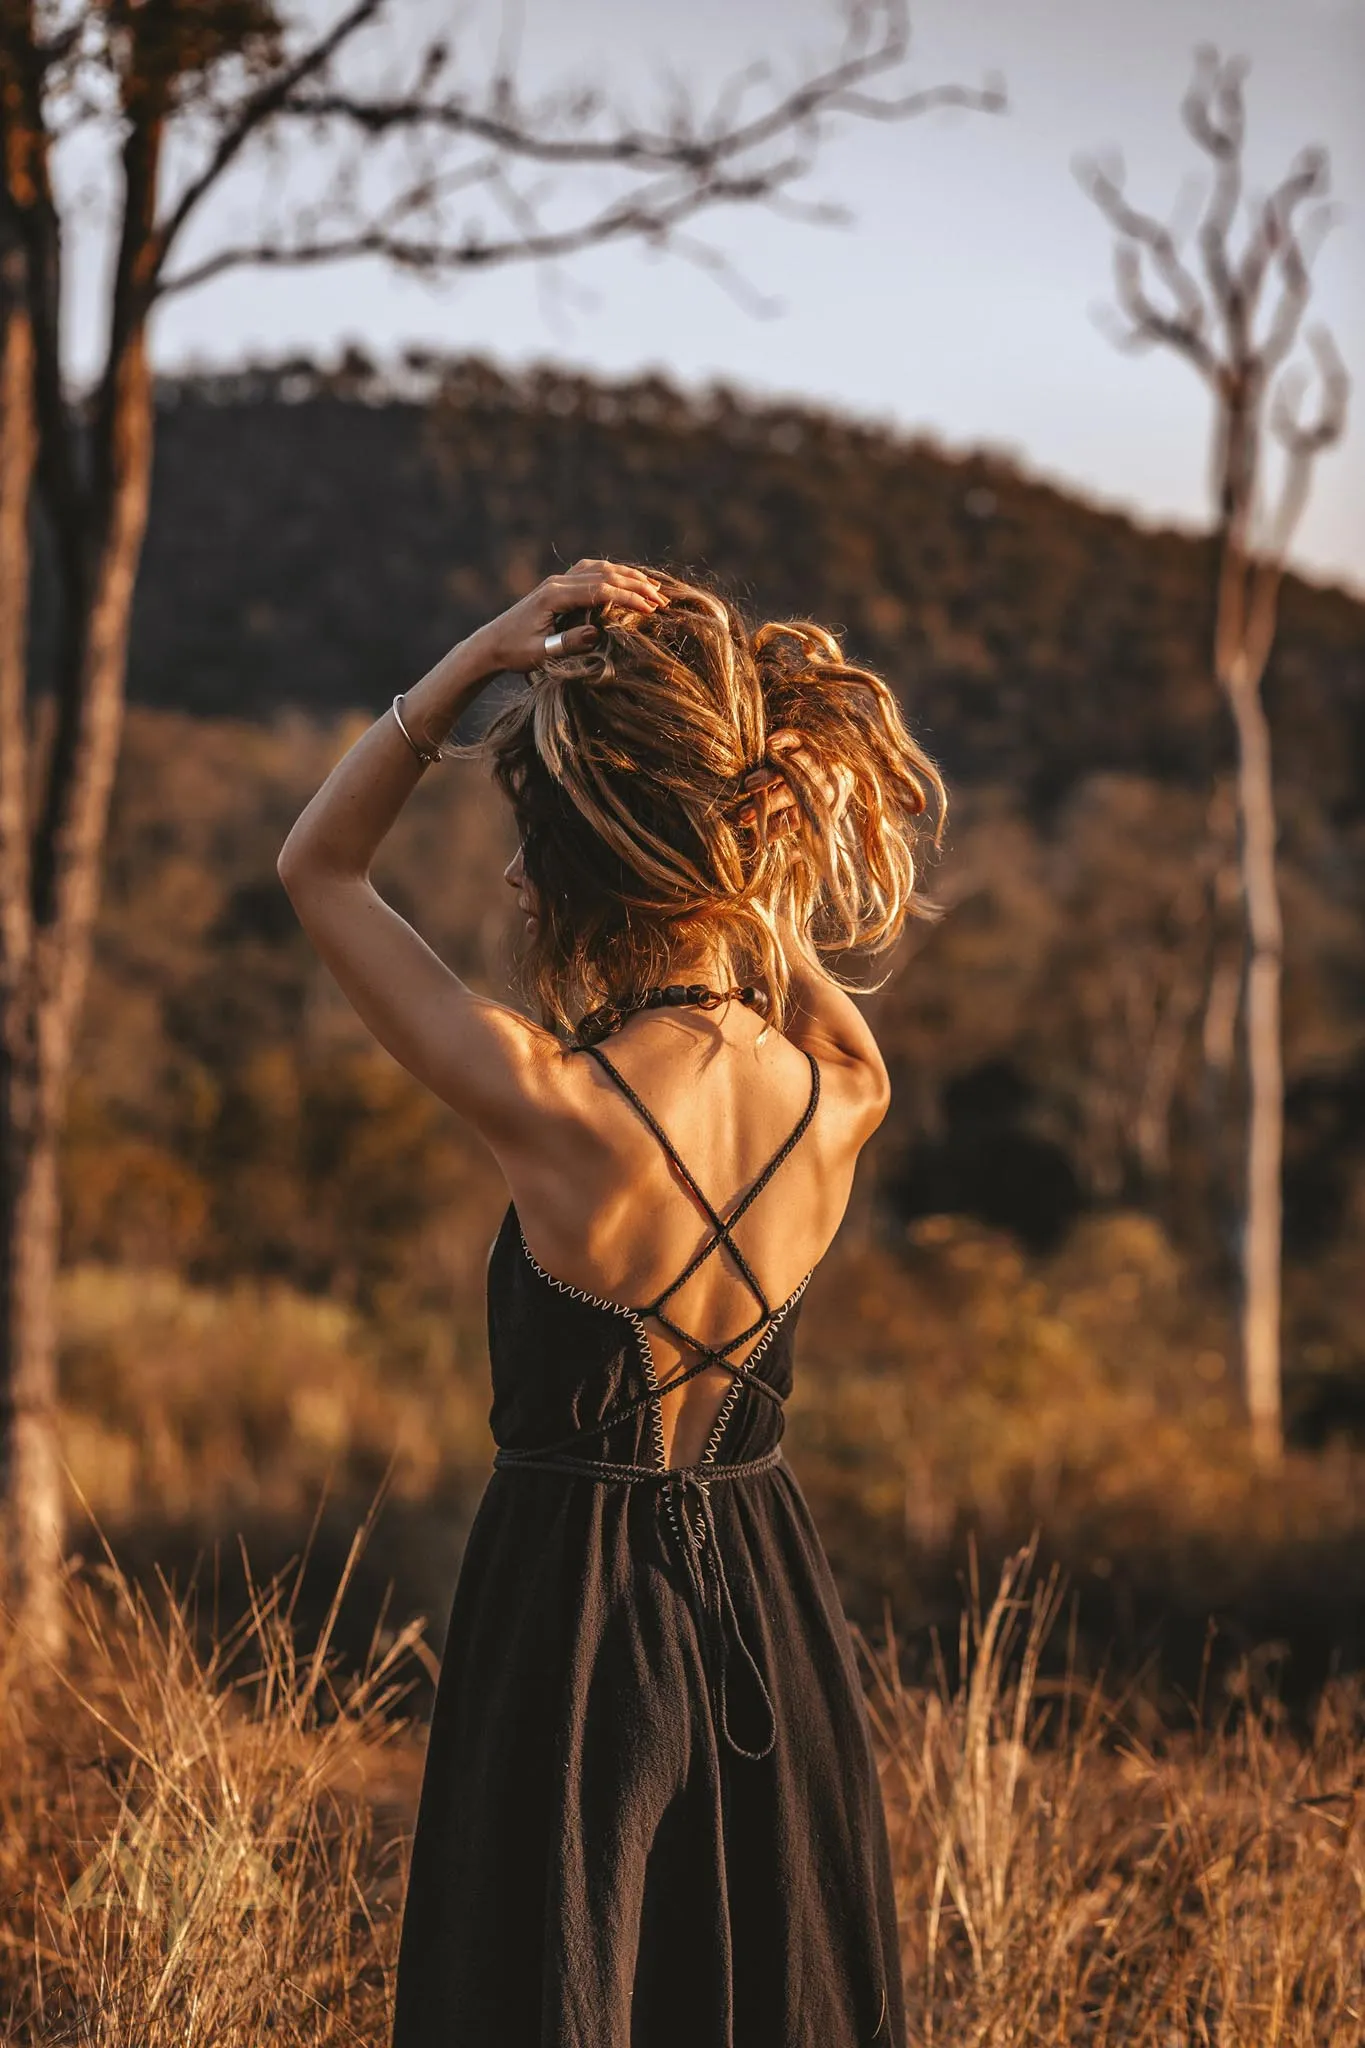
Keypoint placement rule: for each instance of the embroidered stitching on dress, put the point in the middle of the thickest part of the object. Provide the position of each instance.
(637, 1323)
(578, 1293)
(728, 1405)
(646, 1349)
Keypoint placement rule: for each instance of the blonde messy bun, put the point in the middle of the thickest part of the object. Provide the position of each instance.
(625, 770)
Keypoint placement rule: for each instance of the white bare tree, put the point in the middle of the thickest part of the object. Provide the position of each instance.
(1237, 315)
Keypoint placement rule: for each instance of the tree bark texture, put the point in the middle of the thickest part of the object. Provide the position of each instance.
(30, 1494)
(49, 896)
(1246, 599)
(1263, 1221)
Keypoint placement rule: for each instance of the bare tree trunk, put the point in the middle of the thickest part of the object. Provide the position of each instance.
(1263, 1222)
(1238, 326)
(1243, 638)
(29, 1469)
(30, 1532)
(50, 896)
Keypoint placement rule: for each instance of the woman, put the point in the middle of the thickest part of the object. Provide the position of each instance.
(650, 1814)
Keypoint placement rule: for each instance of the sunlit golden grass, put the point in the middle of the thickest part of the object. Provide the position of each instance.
(1066, 1880)
(192, 1837)
(959, 1389)
(201, 1843)
(201, 1404)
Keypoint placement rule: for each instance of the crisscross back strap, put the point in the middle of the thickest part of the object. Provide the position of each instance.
(722, 1226)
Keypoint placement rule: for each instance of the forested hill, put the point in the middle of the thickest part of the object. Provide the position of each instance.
(316, 540)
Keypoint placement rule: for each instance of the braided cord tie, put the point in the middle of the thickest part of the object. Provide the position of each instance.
(708, 1586)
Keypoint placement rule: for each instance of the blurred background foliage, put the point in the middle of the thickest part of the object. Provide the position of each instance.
(275, 1242)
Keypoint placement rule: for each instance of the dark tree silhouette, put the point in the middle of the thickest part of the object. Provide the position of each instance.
(1238, 325)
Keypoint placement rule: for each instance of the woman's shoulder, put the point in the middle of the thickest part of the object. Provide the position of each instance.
(618, 1117)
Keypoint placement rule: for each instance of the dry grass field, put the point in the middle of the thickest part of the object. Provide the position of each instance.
(202, 1840)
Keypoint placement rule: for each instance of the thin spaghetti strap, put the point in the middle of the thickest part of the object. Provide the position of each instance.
(793, 1138)
(788, 1145)
(725, 1225)
(660, 1133)
(722, 1226)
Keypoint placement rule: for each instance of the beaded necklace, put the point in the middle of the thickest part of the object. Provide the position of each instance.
(609, 1017)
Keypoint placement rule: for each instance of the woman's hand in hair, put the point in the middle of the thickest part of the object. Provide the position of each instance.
(515, 640)
(834, 779)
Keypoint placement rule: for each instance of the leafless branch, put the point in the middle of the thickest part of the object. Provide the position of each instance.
(722, 271)
(1307, 180)
(1214, 113)
(693, 161)
(258, 108)
(697, 147)
(990, 98)
(1240, 326)
(1214, 108)
(1308, 437)
(1305, 436)
(1181, 326)
(652, 219)
(877, 42)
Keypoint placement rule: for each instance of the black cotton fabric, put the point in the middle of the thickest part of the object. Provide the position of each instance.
(650, 1815)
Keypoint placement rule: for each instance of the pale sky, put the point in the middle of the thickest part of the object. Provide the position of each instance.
(960, 301)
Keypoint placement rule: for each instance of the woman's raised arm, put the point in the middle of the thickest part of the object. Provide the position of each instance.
(483, 1058)
(824, 1020)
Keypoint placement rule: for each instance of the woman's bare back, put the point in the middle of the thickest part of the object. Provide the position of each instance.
(607, 1211)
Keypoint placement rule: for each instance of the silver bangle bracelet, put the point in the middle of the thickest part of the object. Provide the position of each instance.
(426, 755)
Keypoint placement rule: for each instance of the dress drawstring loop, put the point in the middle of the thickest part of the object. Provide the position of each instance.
(702, 1557)
(708, 1584)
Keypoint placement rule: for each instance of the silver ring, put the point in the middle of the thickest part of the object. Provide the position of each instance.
(554, 643)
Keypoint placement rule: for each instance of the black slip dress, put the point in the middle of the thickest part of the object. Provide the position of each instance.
(650, 1815)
